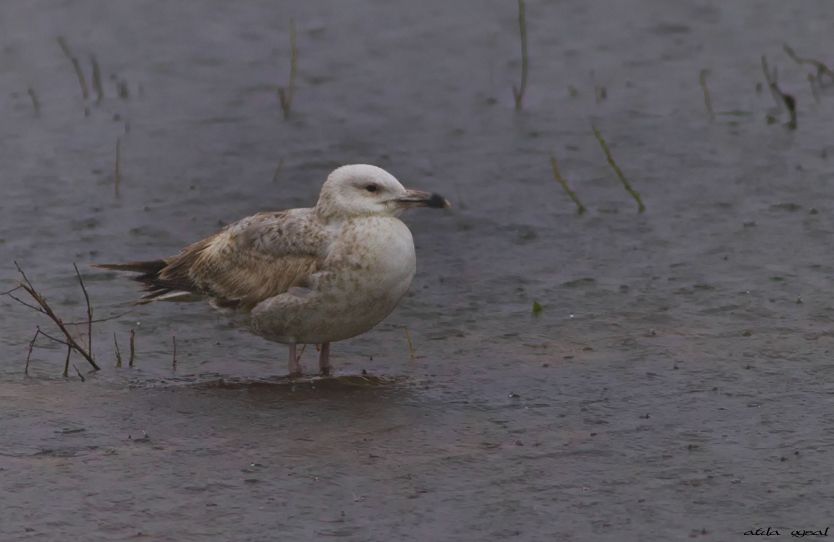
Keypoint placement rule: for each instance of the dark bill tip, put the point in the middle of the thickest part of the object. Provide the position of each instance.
(438, 202)
(418, 198)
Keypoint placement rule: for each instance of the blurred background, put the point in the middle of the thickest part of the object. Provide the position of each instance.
(613, 375)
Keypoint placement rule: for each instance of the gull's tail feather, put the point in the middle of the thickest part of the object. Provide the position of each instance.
(147, 269)
(156, 287)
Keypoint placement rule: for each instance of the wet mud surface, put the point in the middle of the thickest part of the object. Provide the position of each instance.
(676, 384)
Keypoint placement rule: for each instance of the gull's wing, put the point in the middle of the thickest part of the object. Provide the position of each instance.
(249, 261)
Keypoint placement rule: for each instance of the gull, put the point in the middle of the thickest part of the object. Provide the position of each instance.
(303, 276)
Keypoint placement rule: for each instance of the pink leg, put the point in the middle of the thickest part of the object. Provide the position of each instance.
(295, 367)
(324, 359)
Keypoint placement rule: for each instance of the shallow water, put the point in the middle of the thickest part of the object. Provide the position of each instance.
(675, 385)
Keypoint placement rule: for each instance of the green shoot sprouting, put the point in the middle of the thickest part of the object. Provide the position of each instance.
(286, 94)
(634, 194)
(580, 209)
(518, 92)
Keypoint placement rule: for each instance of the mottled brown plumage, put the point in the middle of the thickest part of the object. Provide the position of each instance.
(247, 262)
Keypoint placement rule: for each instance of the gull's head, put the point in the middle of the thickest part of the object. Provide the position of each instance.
(365, 190)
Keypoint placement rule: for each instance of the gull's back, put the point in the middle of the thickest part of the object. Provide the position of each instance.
(251, 260)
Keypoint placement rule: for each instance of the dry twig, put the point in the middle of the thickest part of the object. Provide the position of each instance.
(118, 352)
(97, 79)
(99, 320)
(89, 310)
(82, 82)
(29, 355)
(780, 97)
(44, 308)
(822, 68)
(36, 103)
(132, 348)
(66, 363)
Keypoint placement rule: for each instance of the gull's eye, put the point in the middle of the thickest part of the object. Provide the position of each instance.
(371, 187)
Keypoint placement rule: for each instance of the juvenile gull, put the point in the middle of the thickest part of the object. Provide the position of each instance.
(303, 276)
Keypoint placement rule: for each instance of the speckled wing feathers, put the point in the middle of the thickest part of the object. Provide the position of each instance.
(247, 262)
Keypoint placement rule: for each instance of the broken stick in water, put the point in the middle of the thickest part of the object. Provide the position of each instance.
(89, 311)
(36, 103)
(66, 363)
(97, 79)
(781, 98)
(132, 348)
(822, 68)
(29, 355)
(411, 351)
(82, 82)
(518, 92)
(702, 80)
(118, 352)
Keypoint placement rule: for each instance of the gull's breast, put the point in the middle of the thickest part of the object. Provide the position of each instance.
(368, 269)
(375, 255)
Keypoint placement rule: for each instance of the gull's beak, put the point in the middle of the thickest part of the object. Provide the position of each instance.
(418, 198)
